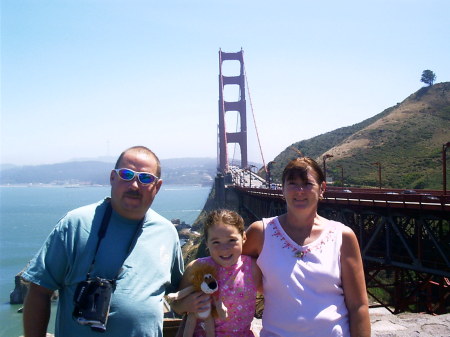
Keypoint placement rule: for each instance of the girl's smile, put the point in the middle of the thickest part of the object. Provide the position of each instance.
(225, 244)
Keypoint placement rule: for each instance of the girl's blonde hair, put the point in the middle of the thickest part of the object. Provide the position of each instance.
(226, 217)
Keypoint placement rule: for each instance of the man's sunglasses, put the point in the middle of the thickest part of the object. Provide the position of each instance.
(144, 178)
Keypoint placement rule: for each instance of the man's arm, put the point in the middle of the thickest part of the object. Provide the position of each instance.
(36, 311)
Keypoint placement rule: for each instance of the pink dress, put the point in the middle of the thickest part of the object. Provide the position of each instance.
(238, 292)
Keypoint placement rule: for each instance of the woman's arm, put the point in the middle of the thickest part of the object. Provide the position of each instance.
(257, 276)
(254, 239)
(354, 285)
(253, 243)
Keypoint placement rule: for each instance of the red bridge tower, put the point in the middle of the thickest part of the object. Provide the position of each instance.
(239, 106)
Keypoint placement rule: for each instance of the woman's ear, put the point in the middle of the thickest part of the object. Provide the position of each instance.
(323, 187)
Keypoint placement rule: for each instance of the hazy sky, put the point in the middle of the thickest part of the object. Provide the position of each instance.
(88, 78)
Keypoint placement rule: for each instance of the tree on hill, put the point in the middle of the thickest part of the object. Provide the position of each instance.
(428, 77)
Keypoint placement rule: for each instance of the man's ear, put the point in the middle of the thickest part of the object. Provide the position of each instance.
(112, 176)
(158, 185)
(244, 238)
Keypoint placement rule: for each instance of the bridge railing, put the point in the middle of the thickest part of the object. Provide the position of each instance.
(415, 201)
(393, 198)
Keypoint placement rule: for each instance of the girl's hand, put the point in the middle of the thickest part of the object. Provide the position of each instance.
(195, 302)
(200, 302)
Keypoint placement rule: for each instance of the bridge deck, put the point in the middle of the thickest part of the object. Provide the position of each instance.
(422, 200)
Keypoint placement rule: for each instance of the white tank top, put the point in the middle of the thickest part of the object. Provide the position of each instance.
(303, 293)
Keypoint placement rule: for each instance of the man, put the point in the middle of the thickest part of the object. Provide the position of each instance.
(140, 252)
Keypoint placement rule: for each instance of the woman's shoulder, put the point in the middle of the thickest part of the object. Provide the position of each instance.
(260, 225)
(348, 235)
(333, 224)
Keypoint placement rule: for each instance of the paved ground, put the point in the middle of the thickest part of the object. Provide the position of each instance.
(385, 324)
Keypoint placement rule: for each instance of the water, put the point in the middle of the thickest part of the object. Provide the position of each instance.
(27, 215)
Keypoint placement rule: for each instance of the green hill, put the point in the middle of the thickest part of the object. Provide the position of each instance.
(406, 139)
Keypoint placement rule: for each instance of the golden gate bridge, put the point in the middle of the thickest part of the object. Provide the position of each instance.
(404, 235)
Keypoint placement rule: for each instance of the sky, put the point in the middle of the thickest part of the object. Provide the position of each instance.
(90, 78)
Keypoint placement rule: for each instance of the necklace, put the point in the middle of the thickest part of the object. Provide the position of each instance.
(301, 253)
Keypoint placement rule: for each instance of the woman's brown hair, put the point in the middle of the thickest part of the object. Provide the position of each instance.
(299, 168)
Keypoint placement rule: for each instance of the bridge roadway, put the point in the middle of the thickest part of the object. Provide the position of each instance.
(404, 236)
(392, 198)
(251, 183)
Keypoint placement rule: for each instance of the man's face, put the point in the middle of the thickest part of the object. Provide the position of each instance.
(131, 199)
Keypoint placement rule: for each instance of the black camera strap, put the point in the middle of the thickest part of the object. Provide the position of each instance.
(102, 232)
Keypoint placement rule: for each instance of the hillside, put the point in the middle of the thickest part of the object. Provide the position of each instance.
(406, 139)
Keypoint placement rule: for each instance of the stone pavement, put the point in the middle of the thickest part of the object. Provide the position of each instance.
(385, 324)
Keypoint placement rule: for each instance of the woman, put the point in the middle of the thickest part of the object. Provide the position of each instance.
(313, 277)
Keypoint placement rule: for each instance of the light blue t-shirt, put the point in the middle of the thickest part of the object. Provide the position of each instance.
(153, 267)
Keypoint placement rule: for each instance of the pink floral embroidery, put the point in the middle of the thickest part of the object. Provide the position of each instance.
(303, 251)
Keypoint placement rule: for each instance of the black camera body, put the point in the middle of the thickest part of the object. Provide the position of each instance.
(92, 300)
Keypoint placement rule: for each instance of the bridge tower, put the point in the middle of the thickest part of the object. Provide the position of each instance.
(239, 105)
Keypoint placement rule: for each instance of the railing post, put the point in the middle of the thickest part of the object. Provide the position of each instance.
(444, 166)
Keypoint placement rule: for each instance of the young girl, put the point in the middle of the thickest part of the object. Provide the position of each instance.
(238, 275)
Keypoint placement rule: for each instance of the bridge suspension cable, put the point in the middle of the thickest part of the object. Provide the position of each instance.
(253, 114)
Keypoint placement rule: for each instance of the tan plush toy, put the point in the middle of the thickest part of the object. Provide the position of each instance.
(203, 279)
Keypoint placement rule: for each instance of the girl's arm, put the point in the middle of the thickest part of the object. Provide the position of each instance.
(194, 302)
(354, 285)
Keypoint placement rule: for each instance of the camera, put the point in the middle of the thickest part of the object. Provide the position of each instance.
(92, 300)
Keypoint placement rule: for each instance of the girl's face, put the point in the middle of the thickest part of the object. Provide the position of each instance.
(225, 244)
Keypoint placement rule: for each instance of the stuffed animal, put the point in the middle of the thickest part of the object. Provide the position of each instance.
(203, 279)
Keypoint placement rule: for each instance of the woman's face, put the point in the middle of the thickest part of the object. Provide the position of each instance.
(303, 193)
(225, 244)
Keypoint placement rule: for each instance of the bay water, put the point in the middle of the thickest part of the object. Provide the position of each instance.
(28, 214)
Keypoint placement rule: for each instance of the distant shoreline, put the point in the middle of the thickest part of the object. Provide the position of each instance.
(52, 185)
(86, 185)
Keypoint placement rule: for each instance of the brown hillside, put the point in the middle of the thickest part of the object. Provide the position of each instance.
(406, 139)
(426, 104)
